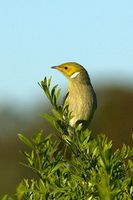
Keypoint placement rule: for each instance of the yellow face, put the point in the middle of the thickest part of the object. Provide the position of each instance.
(70, 69)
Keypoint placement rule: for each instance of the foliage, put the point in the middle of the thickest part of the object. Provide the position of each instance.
(94, 171)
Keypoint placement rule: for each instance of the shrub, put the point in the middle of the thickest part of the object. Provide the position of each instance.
(93, 172)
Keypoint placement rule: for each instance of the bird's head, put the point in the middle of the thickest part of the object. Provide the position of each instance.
(70, 69)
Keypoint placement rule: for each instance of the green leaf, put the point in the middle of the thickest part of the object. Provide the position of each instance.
(25, 140)
(53, 90)
(37, 138)
(48, 117)
(58, 94)
(56, 114)
(59, 165)
(49, 82)
(5, 197)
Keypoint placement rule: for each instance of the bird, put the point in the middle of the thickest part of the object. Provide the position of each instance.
(81, 97)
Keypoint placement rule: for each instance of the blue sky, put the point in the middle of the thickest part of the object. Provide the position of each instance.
(37, 34)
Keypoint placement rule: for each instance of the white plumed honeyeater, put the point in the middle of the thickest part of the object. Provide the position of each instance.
(81, 98)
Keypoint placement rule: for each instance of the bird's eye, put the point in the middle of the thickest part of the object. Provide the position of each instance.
(65, 67)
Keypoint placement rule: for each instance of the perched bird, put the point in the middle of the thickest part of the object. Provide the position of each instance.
(81, 98)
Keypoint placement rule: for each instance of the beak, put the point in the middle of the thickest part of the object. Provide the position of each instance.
(58, 67)
(54, 67)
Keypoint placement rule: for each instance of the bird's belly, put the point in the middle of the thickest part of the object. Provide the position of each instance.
(80, 105)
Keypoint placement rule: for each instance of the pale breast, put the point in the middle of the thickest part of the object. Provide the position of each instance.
(81, 102)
